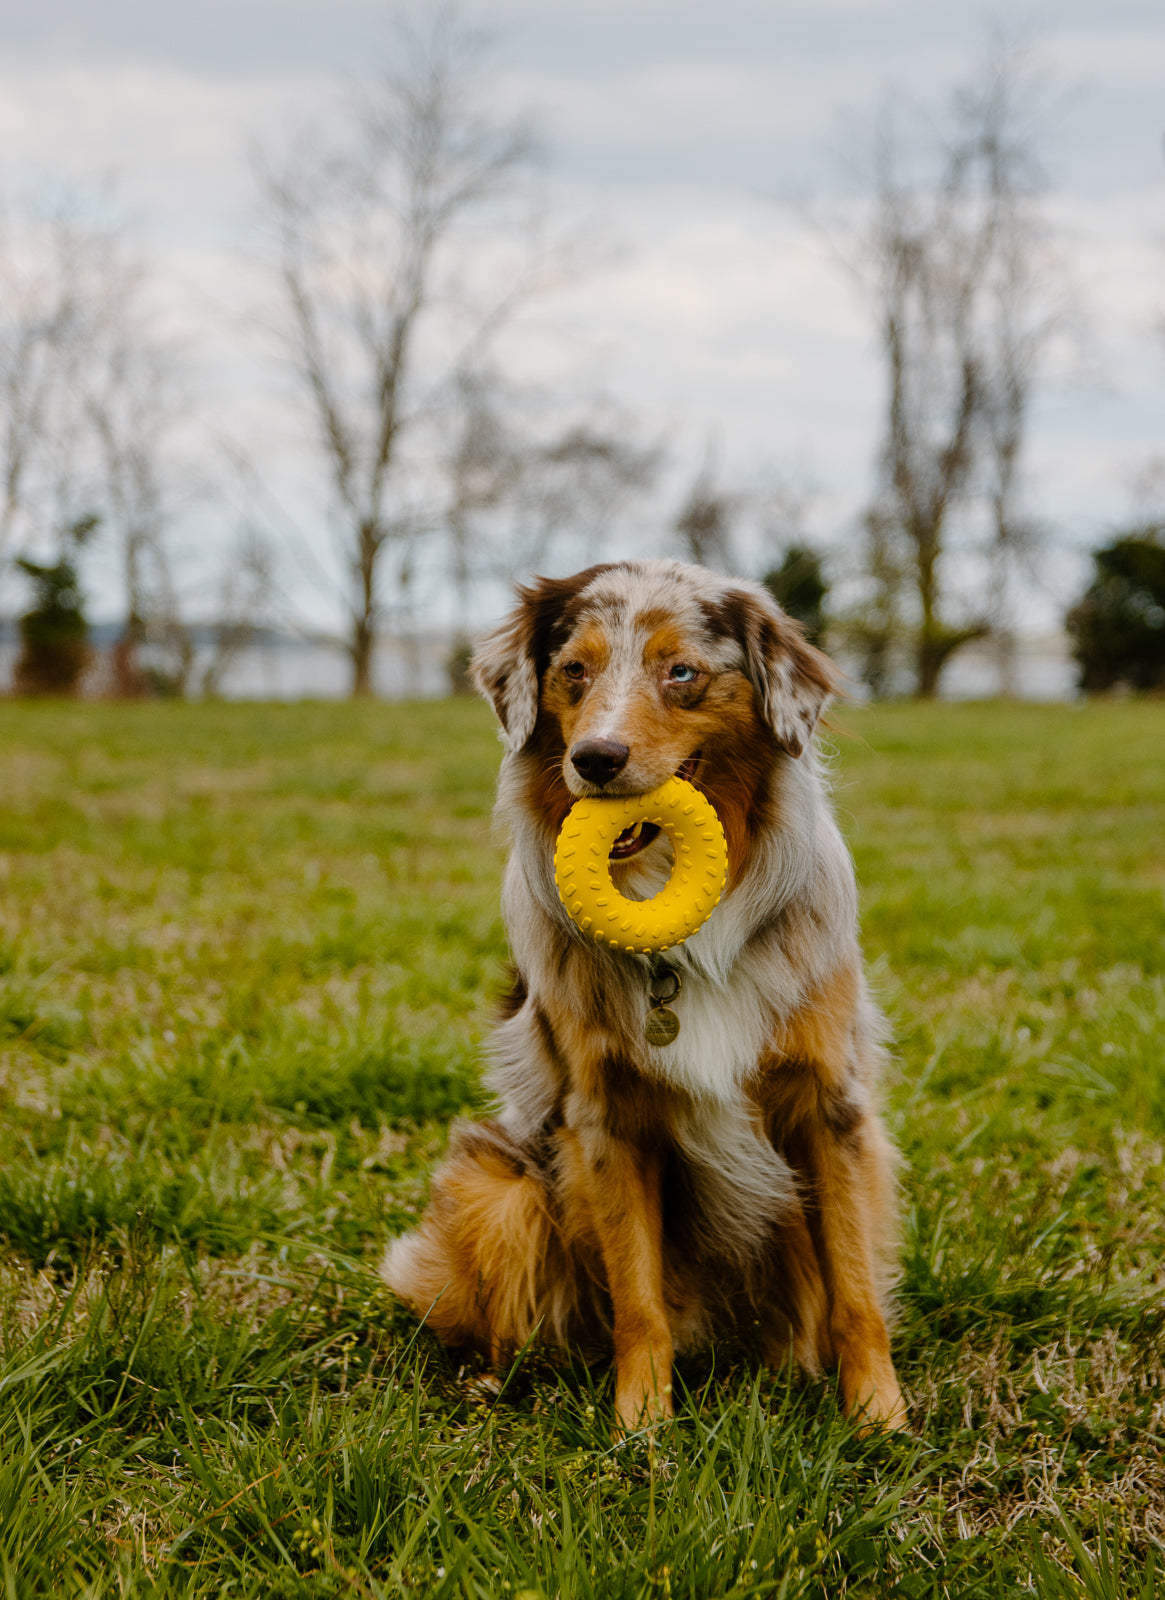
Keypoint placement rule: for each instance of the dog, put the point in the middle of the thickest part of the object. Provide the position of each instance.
(647, 1196)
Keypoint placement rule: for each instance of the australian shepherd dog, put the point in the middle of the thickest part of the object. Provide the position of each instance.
(644, 1196)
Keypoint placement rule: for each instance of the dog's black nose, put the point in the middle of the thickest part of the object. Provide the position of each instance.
(598, 760)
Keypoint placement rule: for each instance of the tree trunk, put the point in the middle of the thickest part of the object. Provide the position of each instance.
(363, 643)
(1007, 660)
(930, 654)
(129, 681)
(360, 650)
(929, 662)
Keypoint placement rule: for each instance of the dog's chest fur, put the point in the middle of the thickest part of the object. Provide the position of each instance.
(723, 1027)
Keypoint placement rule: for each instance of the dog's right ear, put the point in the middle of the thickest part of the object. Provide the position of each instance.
(504, 670)
(509, 663)
(792, 679)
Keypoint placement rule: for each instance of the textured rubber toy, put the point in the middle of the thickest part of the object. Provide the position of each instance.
(582, 871)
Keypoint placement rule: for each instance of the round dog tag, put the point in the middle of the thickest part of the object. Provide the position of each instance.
(661, 1026)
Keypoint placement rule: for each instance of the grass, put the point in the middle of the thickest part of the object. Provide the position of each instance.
(246, 955)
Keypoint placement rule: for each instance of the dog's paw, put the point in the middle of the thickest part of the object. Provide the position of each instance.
(484, 1388)
(638, 1407)
(873, 1400)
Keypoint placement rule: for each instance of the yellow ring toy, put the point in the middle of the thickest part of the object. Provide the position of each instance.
(582, 871)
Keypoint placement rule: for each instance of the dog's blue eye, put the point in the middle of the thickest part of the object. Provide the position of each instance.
(682, 674)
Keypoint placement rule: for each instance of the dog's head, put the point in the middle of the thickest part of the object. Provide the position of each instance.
(627, 673)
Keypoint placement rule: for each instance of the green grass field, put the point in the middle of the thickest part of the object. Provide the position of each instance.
(246, 963)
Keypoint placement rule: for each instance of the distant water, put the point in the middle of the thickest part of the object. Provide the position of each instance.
(283, 668)
(292, 669)
(1044, 670)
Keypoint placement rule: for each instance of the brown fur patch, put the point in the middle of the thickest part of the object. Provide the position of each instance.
(821, 1030)
(474, 1269)
(547, 799)
(631, 1106)
(735, 771)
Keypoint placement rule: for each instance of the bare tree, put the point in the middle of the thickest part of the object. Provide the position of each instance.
(1028, 307)
(85, 400)
(956, 269)
(92, 397)
(927, 253)
(137, 399)
(382, 248)
(52, 269)
(134, 397)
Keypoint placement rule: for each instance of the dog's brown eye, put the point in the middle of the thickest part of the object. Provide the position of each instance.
(575, 670)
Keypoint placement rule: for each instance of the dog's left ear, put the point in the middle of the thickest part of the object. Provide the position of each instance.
(509, 663)
(793, 680)
(504, 670)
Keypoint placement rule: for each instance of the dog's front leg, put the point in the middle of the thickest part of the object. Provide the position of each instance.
(623, 1187)
(817, 1095)
(848, 1170)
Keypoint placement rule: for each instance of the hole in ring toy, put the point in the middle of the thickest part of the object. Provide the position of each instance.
(582, 869)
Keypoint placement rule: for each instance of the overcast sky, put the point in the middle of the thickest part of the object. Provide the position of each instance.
(681, 133)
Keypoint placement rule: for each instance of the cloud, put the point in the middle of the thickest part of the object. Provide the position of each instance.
(177, 139)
